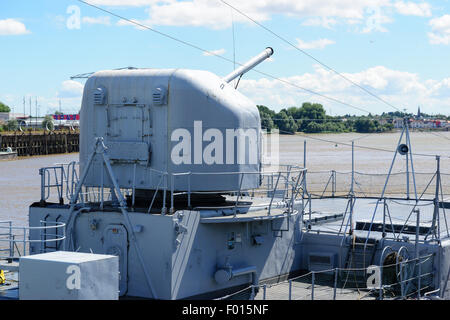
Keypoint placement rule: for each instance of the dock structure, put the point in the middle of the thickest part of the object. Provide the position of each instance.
(41, 143)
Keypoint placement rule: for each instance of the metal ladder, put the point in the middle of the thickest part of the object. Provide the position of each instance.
(359, 256)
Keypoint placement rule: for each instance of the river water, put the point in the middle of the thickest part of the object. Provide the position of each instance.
(20, 181)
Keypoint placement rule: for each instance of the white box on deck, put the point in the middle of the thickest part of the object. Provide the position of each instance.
(63, 275)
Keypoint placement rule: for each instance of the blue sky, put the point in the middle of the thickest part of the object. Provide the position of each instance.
(397, 49)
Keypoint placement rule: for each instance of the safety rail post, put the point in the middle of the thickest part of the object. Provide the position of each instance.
(64, 239)
(172, 181)
(333, 183)
(61, 198)
(189, 190)
(402, 286)
(239, 194)
(309, 205)
(335, 283)
(11, 243)
(24, 242)
(380, 292)
(273, 193)
(313, 278)
(286, 183)
(133, 196)
(290, 289)
(383, 234)
(399, 252)
(419, 279)
(417, 211)
(102, 188)
(436, 215)
(294, 194)
(164, 208)
(42, 174)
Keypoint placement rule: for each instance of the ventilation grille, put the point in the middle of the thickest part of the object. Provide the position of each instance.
(99, 96)
(159, 96)
(320, 259)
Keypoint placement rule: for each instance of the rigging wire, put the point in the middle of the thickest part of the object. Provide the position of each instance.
(310, 56)
(356, 146)
(437, 134)
(260, 72)
(222, 57)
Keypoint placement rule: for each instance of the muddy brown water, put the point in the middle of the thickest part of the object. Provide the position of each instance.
(20, 182)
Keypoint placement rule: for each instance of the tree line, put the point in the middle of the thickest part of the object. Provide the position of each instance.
(312, 118)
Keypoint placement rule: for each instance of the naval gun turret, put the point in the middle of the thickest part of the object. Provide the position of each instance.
(185, 130)
(190, 213)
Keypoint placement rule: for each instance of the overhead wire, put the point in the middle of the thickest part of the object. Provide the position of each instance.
(257, 71)
(222, 57)
(309, 55)
(356, 146)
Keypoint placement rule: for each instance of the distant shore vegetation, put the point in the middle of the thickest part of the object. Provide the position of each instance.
(312, 118)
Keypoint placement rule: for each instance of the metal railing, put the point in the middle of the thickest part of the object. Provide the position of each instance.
(407, 279)
(286, 184)
(330, 183)
(60, 177)
(15, 241)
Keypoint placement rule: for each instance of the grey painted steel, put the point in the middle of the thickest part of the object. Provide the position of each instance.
(182, 254)
(131, 120)
(63, 275)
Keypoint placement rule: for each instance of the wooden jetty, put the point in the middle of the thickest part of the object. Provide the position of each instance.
(40, 142)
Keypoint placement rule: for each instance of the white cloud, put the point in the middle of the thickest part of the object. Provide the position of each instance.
(70, 89)
(440, 30)
(324, 22)
(413, 9)
(97, 20)
(315, 44)
(216, 15)
(400, 88)
(324, 13)
(12, 27)
(375, 20)
(125, 3)
(214, 52)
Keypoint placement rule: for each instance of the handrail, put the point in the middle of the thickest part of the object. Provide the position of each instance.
(66, 177)
(331, 289)
(23, 238)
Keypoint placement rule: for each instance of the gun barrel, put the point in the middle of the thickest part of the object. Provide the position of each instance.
(249, 65)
